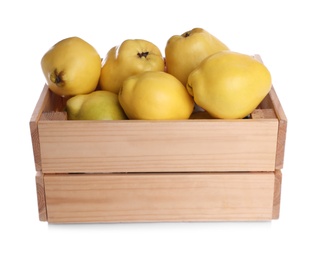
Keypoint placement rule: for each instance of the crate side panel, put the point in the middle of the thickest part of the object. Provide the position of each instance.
(272, 101)
(35, 145)
(41, 198)
(277, 194)
(216, 145)
(48, 103)
(41, 104)
(282, 129)
(159, 197)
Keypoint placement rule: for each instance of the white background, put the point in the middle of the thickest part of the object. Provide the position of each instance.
(282, 32)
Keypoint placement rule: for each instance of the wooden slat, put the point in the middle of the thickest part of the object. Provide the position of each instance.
(277, 194)
(35, 145)
(272, 101)
(149, 146)
(159, 197)
(41, 199)
(282, 128)
(40, 106)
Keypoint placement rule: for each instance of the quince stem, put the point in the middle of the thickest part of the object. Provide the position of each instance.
(56, 77)
(143, 54)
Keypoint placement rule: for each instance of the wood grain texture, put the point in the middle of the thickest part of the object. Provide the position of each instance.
(277, 194)
(158, 146)
(272, 101)
(159, 197)
(48, 107)
(50, 116)
(35, 144)
(41, 198)
(36, 115)
(263, 114)
(282, 129)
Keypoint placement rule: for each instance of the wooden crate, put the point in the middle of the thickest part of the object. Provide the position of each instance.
(143, 170)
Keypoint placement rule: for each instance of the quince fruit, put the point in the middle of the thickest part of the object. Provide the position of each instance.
(155, 95)
(183, 53)
(97, 105)
(71, 67)
(132, 57)
(229, 85)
